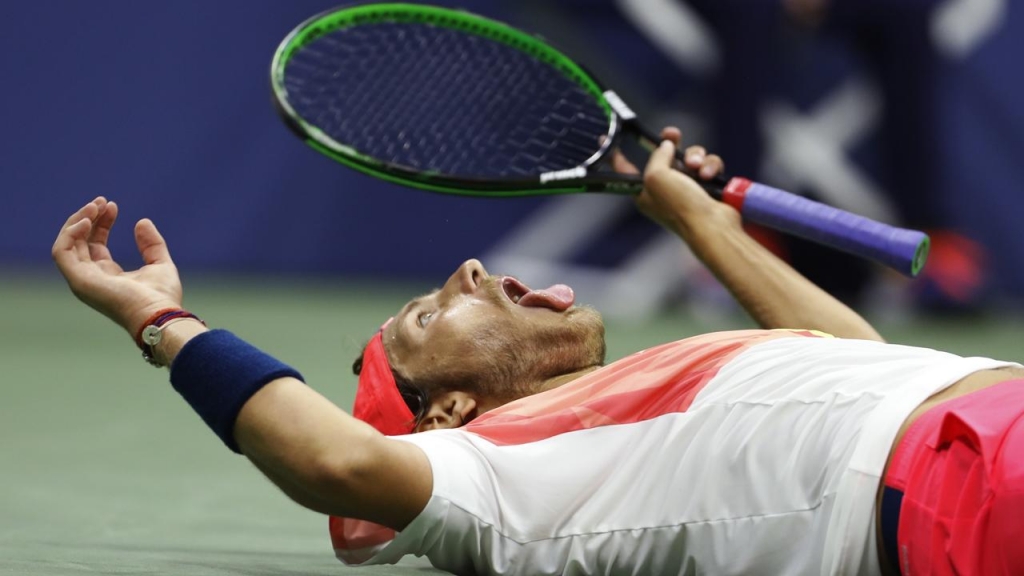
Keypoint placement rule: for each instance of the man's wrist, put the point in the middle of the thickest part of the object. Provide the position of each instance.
(150, 332)
(175, 336)
(707, 228)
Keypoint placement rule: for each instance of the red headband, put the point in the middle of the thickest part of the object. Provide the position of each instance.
(378, 402)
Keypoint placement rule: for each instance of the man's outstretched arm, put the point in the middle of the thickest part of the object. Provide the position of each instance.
(771, 291)
(320, 456)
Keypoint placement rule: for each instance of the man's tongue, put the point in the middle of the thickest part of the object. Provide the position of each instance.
(558, 298)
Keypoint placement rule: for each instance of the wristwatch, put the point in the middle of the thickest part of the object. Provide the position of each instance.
(152, 331)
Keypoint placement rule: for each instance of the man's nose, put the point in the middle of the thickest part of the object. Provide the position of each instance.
(468, 276)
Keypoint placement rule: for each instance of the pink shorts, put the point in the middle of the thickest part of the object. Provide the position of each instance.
(960, 469)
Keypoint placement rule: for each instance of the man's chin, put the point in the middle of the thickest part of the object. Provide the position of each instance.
(590, 321)
(589, 316)
(585, 310)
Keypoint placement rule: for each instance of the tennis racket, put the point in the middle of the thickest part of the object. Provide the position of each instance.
(449, 101)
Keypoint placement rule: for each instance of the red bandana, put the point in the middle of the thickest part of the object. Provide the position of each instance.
(378, 402)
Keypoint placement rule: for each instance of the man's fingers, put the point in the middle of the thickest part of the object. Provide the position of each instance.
(71, 254)
(151, 244)
(98, 249)
(712, 166)
(622, 165)
(707, 165)
(695, 157)
(104, 222)
(672, 133)
(662, 157)
(71, 246)
(89, 211)
(72, 243)
(659, 169)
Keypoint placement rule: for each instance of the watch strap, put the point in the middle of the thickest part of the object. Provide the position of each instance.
(151, 332)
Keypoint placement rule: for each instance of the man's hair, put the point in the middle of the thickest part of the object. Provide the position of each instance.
(416, 398)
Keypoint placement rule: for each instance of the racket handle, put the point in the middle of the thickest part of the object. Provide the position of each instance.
(902, 249)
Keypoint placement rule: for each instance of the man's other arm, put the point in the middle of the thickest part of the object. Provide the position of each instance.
(771, 291)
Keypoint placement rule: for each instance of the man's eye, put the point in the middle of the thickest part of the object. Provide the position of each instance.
(424, 318)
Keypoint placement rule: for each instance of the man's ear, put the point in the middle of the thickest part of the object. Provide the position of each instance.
(448, 410)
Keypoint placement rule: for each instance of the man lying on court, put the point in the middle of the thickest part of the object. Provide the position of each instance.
(809, 447)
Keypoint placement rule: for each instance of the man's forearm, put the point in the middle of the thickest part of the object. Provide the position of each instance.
(327, 460)
(175, 337)
(771, 291)
(321, 457)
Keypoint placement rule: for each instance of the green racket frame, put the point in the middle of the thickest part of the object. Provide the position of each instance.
(340, 18)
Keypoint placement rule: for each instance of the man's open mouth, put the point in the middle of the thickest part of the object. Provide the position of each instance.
(558, 298)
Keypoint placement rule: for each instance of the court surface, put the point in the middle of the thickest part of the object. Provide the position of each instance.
(105, 470)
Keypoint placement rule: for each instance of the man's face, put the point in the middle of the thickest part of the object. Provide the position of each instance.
(493, 336)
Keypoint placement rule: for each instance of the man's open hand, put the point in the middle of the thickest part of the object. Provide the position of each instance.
(127, 298)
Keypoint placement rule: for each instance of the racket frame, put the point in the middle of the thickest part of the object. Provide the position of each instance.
(582, 178)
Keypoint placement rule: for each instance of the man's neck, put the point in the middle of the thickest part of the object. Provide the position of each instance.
(552, 383)
(485, 405)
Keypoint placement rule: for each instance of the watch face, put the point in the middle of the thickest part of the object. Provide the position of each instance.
(151, 335)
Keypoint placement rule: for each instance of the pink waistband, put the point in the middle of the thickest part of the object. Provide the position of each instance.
(928, 428)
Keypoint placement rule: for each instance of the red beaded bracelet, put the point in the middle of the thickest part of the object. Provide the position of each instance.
(150, 333)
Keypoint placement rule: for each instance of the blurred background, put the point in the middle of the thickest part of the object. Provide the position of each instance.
(908, 111)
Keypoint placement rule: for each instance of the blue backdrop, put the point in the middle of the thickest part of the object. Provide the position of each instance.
(165, 108)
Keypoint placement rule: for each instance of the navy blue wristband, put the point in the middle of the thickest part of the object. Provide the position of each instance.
(217, 372)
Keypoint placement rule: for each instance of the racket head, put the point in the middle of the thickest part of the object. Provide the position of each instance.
(445, 100)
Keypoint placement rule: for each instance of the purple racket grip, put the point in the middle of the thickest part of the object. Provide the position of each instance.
(899, 248)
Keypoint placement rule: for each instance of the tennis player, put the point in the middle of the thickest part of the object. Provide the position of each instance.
(490, 437)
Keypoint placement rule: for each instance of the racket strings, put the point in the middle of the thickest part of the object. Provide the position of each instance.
(435, 99)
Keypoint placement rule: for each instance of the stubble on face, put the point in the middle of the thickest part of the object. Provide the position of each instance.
(506, 352)
(520, 354)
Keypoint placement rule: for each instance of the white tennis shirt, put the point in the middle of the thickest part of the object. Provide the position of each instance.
(750, 452)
